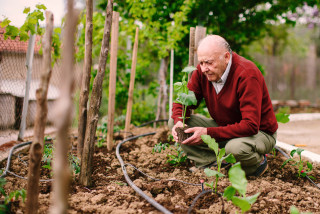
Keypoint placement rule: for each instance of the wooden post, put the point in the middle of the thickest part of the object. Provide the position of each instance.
(131, 86)
(191, 46)
(112, 78)
(36, 149)
(95, 102)
(29, 62)
(85, 85)
(199, 34)
(64, 109)
(171, 83)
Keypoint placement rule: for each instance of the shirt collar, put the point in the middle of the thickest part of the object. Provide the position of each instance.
(226, 72)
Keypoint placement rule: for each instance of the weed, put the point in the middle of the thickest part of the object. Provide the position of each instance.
(299, 163)
(294, 210)
(74, 164)
(239, 183)
(47, 156)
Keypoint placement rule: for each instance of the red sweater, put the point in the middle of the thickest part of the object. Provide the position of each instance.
(243, 106)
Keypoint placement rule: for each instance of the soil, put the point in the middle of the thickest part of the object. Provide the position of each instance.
(182, 136)
(279, 188)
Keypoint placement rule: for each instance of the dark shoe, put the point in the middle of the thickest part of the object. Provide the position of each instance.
(262, 168)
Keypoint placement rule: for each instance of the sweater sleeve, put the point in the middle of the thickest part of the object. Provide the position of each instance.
(249, 93)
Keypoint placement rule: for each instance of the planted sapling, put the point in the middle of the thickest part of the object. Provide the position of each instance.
(159, 147)
(239, 183)
(220, 158)
(11, 197)
(185, 98)
(299, 163)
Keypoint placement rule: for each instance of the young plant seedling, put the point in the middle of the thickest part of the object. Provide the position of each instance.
(220, 157)
(239, 183)
(14, 195)
(299, 163)
(185, 96)
(176, 160)
(159, 147)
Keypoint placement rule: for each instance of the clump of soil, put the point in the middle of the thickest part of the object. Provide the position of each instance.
(181, 134)
(175, 187)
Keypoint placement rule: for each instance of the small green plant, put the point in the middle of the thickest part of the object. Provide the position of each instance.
(47, 156)
(159, 147)
(74, 164)
(185, 96)
(220, 157)
(178, 158)
(239, 183)
(299, 163)
(283, 115)
(14, 195)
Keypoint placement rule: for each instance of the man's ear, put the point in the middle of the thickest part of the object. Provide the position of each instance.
(227, 57)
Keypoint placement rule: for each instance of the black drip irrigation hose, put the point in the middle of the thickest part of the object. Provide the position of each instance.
(6, 170)
(197, 197)
(287, 156)
(129, 181)
(153, 121)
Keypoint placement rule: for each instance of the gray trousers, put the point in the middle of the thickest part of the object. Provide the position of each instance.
(248, 151)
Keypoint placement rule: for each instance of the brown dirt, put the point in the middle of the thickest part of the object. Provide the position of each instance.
(182, 136)
(279, 188)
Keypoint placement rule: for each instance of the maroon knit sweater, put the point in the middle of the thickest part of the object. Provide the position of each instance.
(243, 106)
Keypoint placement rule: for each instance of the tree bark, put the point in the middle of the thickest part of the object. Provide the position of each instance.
(85, 85)
(64, 110)
(95, 101)
(36, 148)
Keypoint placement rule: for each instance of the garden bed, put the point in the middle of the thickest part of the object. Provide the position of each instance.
(279, 188)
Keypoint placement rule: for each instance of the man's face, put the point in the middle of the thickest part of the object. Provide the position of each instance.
(213, 63)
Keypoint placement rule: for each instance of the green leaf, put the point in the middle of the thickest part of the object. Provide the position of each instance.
(294, 210)
(229, 192)
(285, 162)
(210, 173)
(229, 158)
(242, 203)
(26, 10)
(187, 99)
(41, 6)
(211, 143)
(293, 152)
(282, 117)
(5, 23)
(309, 165)
(299, 151)
(209, 185)
(221, 153)
(189, 69)
(238, 178)
(253, 198)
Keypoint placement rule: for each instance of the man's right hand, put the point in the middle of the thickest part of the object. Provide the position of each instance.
(173, 131)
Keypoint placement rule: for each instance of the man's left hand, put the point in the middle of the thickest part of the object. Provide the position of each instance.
(195, 139)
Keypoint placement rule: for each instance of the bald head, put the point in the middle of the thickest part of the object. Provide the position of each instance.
(214, 43)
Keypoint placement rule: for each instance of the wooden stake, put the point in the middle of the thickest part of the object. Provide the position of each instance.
(191, 46)
(112, 78)
(64, 110)
(95, 101)
(131, 86)
(85, 85)
(36, 148)
(199, 34)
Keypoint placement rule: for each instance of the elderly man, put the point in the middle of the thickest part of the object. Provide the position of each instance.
(238, 101)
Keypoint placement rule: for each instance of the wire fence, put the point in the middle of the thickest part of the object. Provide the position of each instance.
(13, 85)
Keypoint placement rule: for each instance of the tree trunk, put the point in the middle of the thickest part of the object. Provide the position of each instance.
(36, 148)
(95, 101)
(85, 85)
(163, 94)
(312, 67)
(64, 109)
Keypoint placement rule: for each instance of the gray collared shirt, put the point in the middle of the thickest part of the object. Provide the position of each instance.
(220, 83)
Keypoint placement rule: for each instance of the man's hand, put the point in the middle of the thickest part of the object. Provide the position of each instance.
(173, 131)
(195, 139)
